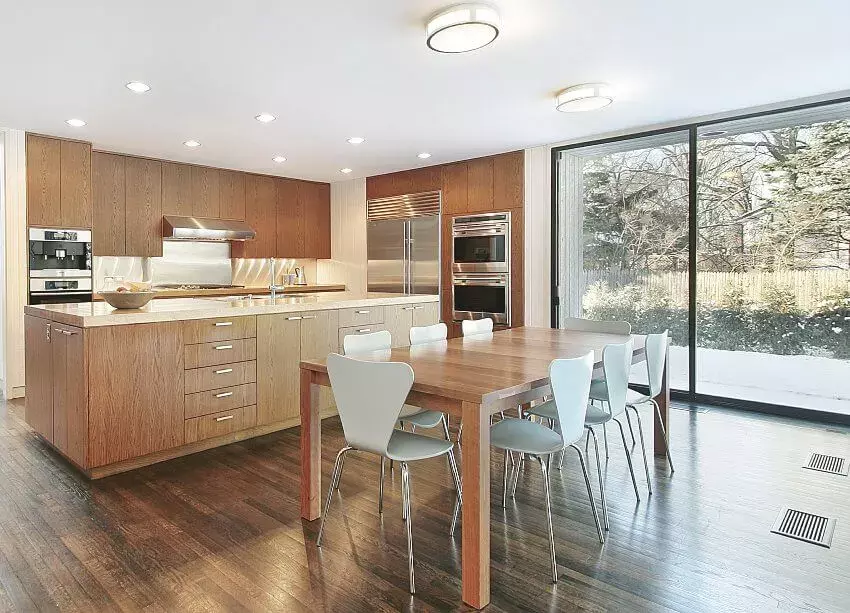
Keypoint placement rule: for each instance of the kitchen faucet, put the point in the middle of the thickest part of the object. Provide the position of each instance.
(273, 288)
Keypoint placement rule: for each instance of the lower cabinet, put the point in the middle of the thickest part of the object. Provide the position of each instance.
(220, 424)
(39, 376)
(399, 318)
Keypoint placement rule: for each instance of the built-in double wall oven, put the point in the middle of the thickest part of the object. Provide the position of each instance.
(481, 267)
(60, 266)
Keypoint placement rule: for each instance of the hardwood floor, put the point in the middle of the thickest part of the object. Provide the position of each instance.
(220, 530)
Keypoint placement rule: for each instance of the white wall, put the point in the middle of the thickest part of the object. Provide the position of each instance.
(538, 221)
(348, 237)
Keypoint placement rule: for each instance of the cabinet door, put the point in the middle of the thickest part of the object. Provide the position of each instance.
(397, 320)
(509, 181)
(108, 191)
(205, 192)
(292, 198)
(39, 376)
(75, 184)
(480, 187)
(455, 182)
(70, 393)
(176, 189)
(426, 314)
(278, 372)
(43, 181)
(317, 222)
(260, 212)
(232, 194)
(144, 207)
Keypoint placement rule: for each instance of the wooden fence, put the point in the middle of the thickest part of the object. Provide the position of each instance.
(809, 286)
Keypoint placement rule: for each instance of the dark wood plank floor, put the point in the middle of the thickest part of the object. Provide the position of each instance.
(220, 530)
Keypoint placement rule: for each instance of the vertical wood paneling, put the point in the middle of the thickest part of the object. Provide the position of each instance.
(480, 188)
(108, 215)
(348, 237)
(317, 222)
(292, 199)
(39, 381)
(176, 189)
(260, 212)
(143, 207)
(70, 393)
(75, 179)
(508, 180)
(454, 186)
(538, 217)
(43, 180)
(232, 194)
(205, 192)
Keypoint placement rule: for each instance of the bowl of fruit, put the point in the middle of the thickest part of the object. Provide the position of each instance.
(129, 295)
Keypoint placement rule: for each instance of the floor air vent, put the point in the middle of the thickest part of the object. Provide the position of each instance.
(803, 526)
(828, 464)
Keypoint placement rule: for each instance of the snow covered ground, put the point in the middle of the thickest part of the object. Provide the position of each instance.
(822, 384)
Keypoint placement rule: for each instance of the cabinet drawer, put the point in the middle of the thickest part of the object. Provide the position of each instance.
(223, 375)
(219, 424)
(364, 315)
(365, 329)
(222, 352)
(224, 399)
(219, 329)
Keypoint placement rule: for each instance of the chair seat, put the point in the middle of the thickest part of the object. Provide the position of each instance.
(595, 415)
(599, 391)
(417, 416)
(525, 436)
(408, 447)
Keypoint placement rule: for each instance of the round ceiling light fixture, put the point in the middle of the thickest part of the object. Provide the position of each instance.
(584, 97)
(345, 171)
(137, 87)
(265, 118)
(356, 140)
(424, 155)
(278, 159)
(192, 143)
(75, 123)
(462, 28)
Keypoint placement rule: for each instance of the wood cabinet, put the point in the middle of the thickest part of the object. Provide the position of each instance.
(399, 318)
(143, 202)
(480, 186)
(176, 189)
(260, 213)
(232, 194)
(109, 210)
(455, 182)
(75, 184)
(292, 198)
(205, 192)
(509, 181)
(39, 376)
(278, 359)
(59, 189)
(317, 222)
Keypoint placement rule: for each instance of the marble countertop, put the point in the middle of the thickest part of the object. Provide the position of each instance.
(240, 291)
(94, 314)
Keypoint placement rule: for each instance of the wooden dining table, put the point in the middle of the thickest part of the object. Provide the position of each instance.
(470, 378)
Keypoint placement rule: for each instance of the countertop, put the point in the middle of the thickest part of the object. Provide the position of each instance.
(95, 314)
(240, 291)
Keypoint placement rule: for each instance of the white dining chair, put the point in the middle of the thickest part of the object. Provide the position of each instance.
(419, 335)
(423, 418)
(570, 380)
(369, 397)
(470, 327)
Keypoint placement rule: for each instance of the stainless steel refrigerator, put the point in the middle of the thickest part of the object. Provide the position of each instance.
(403, 244)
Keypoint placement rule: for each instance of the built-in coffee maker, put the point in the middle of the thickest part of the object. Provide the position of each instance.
(60, 266)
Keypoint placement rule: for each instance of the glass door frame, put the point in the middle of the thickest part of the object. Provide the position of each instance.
(689, 395)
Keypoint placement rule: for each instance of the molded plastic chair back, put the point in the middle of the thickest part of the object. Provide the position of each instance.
(595, 325)
(656, 354)
(363, 343)
(476, 326)
(617, 364)
(420, 335)
(571, 387)
(369, 397)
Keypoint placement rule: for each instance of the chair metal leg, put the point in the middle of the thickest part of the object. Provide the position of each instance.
(515, 477)
(605, 438)
(628, 457)
(458, 489)
(590, 433)
(643, 449)
(587, 439)
(629, 422)
(508, 457)
(446, 427)
(590, 494)
(664, 432)
(543, 467)
(405, 493)
(459, 433)
(381, 487)
(334, 484)
(341, 466)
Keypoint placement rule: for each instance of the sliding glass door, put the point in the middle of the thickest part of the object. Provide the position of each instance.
(758, 299)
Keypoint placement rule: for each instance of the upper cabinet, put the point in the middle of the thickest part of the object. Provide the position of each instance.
(509, 181)
(480, 186)
(317, 222)
(231, 194)
(205, 192)
(291, 200)
(59, 183)
(260, 211)
(176, 189)
(109, 215)
(455, 179)
(143, 207)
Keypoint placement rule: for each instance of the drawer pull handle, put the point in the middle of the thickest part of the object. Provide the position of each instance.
(220, 324)
(362, 312)
(309, 317)
(223, 371)
(418, 307)
(407, 308)
(224, 394)
(221, 347)
(294, 318)
(224, 418)
(361, 330)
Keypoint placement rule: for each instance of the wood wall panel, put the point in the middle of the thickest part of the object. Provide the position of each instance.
(205, 192)
(293, 199)
(143, 207)
(260, 214)
(43, 180)
(176, 189)
(518, 268)
(508, 181)
(134, 370)
(75, 184)
(480, 187)
(317, 222)
(108, 214)
(454, 179)
(232, 194)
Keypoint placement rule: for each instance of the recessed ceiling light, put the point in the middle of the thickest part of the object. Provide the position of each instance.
(265, 118)
(76, 123)
(461, 28)
(424, 155)
(279, 159)
(192, 143)
(356, 140)
(345, 170)
(138, 87)
(584, 97)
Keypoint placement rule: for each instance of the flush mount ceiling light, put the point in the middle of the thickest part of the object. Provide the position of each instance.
(424, 156)
(584, 97)
(75, 123)
(192, 143)
(356, 140)
(279, 159)
(461, 28)
(265, 118)
(137, 87)
(345, 171)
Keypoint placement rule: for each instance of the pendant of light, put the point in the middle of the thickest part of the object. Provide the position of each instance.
(462, 28)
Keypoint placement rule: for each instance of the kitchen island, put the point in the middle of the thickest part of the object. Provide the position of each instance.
(115, 390)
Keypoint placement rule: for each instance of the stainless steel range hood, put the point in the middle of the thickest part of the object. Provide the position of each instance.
(202, 229)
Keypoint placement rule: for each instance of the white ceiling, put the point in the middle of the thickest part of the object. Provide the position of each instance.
(341, 68)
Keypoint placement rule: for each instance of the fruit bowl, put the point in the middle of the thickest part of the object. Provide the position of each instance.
(127, 300)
